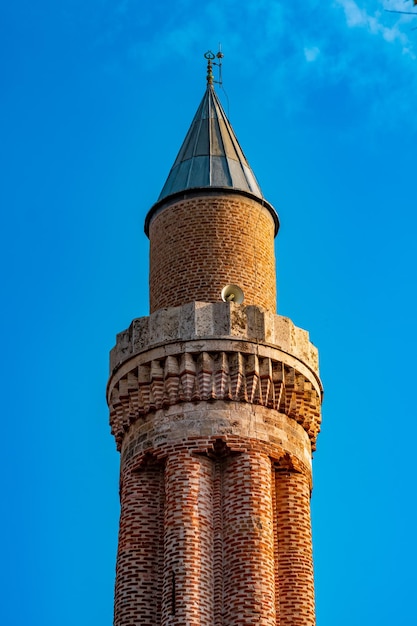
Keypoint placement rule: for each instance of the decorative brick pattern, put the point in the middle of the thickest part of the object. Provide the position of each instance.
(213, 376)
(202, 244)
(249, 594)
(188, 541)
(218, 538)
(215, 532)
(139, 566)
(294, 548)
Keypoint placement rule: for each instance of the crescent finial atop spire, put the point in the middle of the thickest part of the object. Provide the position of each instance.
(210, 56)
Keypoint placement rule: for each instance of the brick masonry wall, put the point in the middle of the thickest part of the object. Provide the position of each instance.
(214, 532)
(294, 549)
(139, 566)
(274, 431)
(200, 245)
(215, 414)
(188, 541)
(248, 545)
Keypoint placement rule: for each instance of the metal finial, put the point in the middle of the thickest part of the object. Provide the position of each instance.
(219, 56)
(209, 56)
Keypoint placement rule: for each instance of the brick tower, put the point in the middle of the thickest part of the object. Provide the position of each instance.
(215, 406)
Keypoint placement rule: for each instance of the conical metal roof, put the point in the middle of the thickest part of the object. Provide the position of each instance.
(210, 159)
(210, 155)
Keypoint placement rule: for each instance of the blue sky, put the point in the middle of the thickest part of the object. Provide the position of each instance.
(96, 99)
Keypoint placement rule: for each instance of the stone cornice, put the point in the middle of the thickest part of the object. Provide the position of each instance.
(204, 352)
(208, 320)
(145, 385)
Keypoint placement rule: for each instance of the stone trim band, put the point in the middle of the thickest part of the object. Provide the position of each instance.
(205, 376)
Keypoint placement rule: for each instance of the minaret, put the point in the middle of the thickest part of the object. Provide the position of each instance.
(215, 406)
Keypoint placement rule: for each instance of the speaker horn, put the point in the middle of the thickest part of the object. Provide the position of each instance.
(232, 293)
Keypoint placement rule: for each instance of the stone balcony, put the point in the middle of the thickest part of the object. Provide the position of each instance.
(219, 320)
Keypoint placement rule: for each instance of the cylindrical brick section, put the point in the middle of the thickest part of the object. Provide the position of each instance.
(139, 569)
(188, 541)
(201, 244)
(249, 585)
(294, 544)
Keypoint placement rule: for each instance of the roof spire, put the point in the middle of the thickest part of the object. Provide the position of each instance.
(210, 56)
(210, 156)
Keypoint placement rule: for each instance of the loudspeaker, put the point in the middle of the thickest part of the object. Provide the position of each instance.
(232, 293)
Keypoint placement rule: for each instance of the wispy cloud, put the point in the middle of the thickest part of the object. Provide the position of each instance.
(311, 54)
(374, 23)
(294, 49)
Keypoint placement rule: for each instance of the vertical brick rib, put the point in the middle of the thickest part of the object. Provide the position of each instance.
(188, 544)
(249, 586)
(218, 541)
(138, 590)
(276, 570)
(295, 558)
